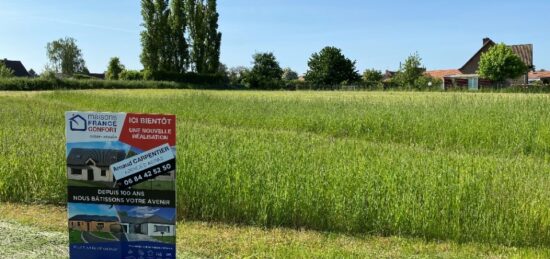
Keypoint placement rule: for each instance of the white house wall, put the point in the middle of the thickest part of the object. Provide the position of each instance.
(96, 171)
(151, 230)
(72, 176)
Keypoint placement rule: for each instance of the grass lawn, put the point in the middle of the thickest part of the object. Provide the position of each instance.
(75, 236)
(27, 225)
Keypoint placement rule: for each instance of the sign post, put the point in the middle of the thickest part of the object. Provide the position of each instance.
(121, 170)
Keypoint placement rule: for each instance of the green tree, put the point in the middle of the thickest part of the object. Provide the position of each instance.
(157, 38)
(178, 27)
(410, 71)
(114, 69)
(289, 74)
(330, 67)
(238, 75)
(167, 24)
(266, 72)
(149, 54)
(164, 36)
(198, 33)
(65, 57)
(501, 63)
(5, 72)
(131, 75)
(213, 38)
(372, 76)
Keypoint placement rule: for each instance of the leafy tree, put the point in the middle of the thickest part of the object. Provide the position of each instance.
(178, 27)
(163, 37)
(131, 75)
(330, 67)
(168, 23)
(114, 69)
(410, 71)
(164, 47)
(149, 54)
(65, 56)
(84, 71)
(501, 63)
(213, 38)
(372, 76)
(238, 75)
(206, 39)
(222, 69)
(266, 72)
(198, 33)
(48, 73)
(289, 74)
(5, 72)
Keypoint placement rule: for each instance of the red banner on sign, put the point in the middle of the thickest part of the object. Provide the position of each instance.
(149, 131)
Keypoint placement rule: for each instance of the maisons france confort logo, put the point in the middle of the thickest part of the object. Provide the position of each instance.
(94, 123)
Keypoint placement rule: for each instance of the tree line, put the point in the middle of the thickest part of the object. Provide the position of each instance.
(329, 69)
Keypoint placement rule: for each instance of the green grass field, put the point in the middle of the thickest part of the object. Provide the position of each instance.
(75, 237)
(44, 229)
(450, 166)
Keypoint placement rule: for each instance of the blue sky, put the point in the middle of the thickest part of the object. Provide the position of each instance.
(378, 34)
(145, 212)
(91, 209)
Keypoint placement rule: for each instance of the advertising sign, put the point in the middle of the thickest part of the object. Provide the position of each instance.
(121, 171)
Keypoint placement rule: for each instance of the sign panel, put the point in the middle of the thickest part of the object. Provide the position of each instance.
(121, 170)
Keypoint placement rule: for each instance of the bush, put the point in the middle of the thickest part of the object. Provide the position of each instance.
(83, 77)
(5, 72)
(428, 83)
(190, 77)
(537, 87)
(36, 84)
(131, 75)
(48, 74)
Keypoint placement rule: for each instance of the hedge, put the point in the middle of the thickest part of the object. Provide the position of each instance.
(190, 77)
(35, 84)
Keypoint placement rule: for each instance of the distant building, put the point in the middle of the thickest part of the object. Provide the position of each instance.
(389, 74)
(467, 77)
(153, 226)
(543, 76)
(17, 67)
(94, 223)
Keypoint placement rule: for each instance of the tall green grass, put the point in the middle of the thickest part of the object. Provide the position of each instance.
(459, 166)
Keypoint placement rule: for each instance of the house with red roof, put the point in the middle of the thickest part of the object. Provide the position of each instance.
(467, 77)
